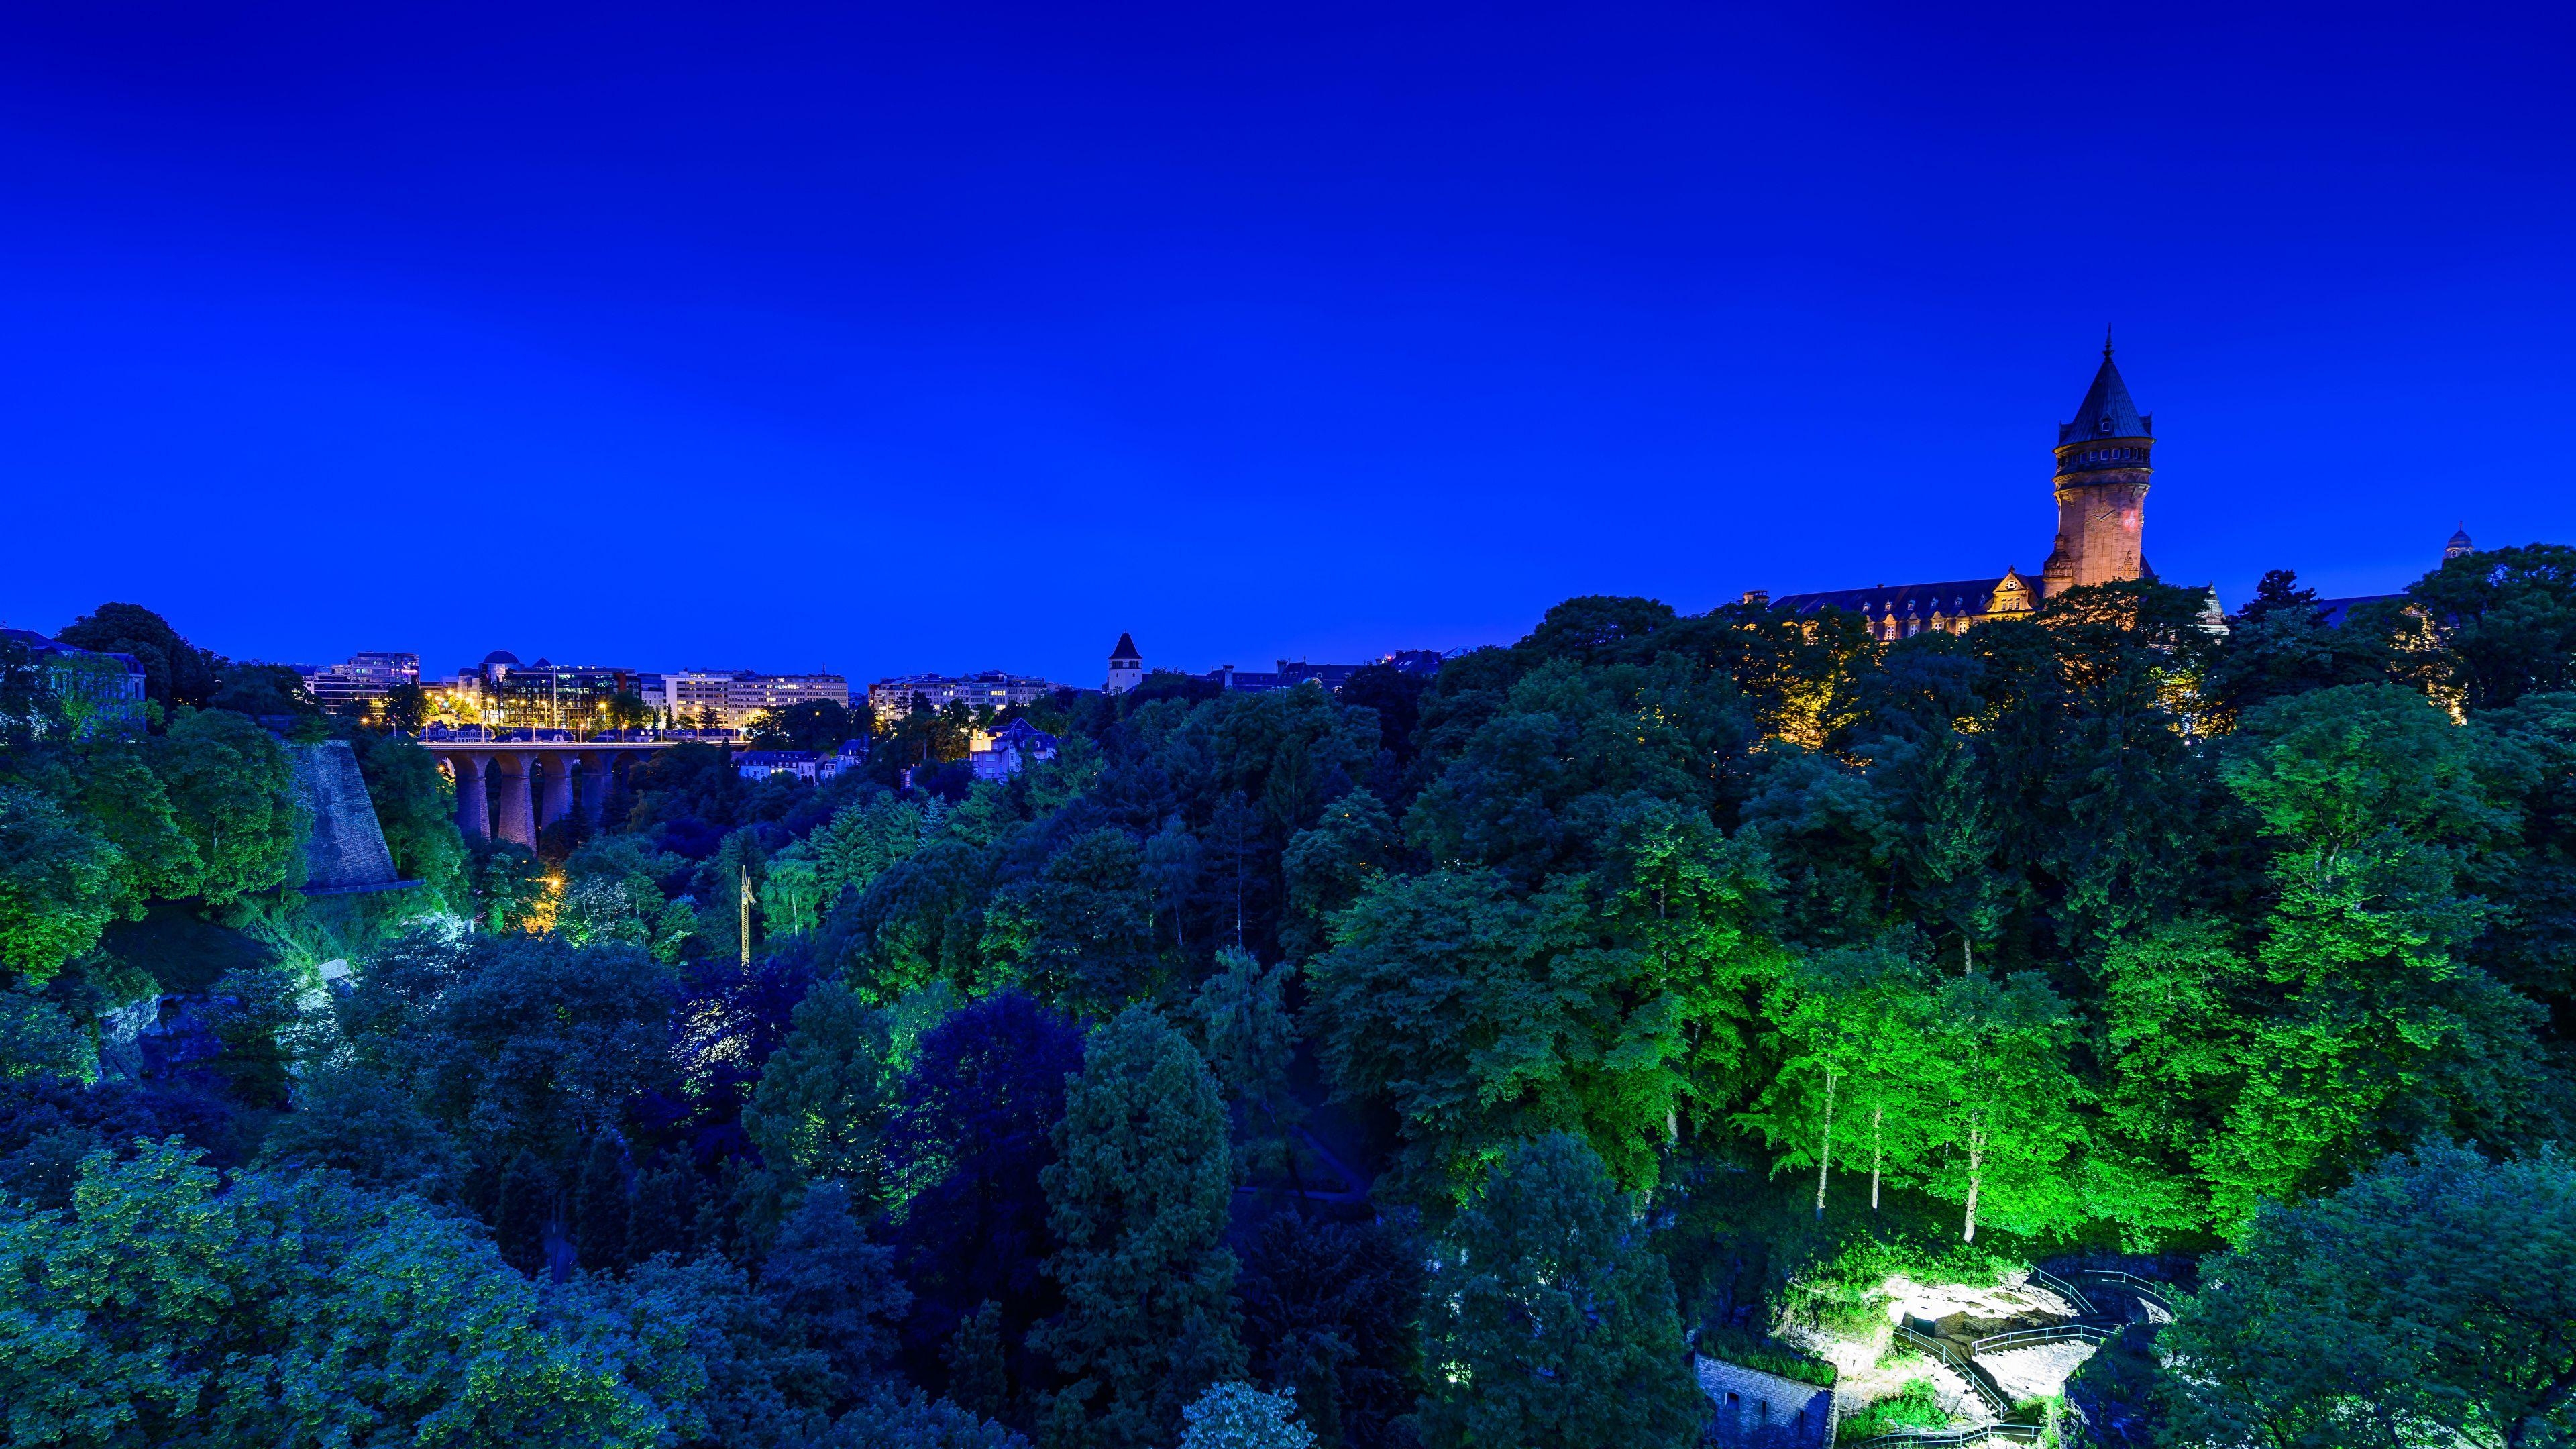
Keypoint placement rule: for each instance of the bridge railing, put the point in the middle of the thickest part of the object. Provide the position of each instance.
(2055, 1332)
(1957, 1363)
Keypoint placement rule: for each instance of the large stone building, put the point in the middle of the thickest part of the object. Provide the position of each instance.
(93, 689)
(2104, 462)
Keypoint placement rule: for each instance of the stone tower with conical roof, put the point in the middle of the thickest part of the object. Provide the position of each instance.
(2102, 472)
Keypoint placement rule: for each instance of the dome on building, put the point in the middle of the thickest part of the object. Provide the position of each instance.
(2459, 546)
(500, 656)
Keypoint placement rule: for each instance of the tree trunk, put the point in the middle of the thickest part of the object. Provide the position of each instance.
(1976, 1165)
(1825, 1156)
(1877, 1155)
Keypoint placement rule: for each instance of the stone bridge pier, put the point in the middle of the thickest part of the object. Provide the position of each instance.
(514, 788)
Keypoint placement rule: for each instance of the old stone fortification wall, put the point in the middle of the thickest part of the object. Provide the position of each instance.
(344, 846)
(1767, 1411)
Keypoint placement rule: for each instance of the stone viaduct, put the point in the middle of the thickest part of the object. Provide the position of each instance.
(539, 781)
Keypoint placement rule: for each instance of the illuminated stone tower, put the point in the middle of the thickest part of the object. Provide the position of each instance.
(2102, 474)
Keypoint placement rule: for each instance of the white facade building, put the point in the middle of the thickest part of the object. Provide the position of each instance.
(892, 698)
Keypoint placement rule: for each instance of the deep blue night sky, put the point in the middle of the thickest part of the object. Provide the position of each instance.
(955, 336)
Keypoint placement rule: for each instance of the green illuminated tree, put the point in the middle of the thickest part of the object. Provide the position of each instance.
(233, 790)
(2006, 1096)
(821, 1106)
(123, 799)
(1850, 1090)
(292, 1308)
(58, 885)
(791, 893)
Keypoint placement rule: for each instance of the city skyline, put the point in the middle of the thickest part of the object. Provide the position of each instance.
(954, 342)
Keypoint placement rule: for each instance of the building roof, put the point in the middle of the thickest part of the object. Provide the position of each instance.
(500, 656)
(1959, 596)
(2106, 411)
(1020, 734)
(39, 644)
(1126, 647)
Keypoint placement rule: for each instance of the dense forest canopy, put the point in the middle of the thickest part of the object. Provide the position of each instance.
(1208, 1083)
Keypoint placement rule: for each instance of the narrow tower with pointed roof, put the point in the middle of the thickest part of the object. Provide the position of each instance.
(1126, 667)
(2102, 472)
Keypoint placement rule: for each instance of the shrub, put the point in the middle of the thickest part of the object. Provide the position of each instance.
(1755, 1351)
(1916, 1406)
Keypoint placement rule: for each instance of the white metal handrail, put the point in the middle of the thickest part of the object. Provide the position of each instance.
(2146, 1288)
(2089, 1332)
(1939, 1438)
(1951, 1359)
(2064, 1289)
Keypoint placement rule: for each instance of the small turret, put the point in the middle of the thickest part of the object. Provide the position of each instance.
(2459, 546)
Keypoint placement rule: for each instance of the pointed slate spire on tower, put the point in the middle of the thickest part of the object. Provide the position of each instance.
(2106, 411)
(1126, 647)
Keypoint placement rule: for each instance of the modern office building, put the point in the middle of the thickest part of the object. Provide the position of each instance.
(547, 695)
(363, 682)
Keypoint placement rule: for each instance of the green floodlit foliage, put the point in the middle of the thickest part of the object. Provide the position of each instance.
(1759, 960)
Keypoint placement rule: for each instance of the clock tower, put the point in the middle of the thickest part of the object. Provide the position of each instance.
(2102, 471)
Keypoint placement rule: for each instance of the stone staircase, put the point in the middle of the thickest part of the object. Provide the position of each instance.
(2093, 1323)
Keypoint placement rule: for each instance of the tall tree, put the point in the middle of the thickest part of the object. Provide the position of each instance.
(58, 885)
(2486, 629)
(965, 1149)
(175, 672)
(2000, 1058)
(824, 1270)
(821, 1107)
(1138, 1199)
(1332, 1310)
(1242, 1012)
(1550, 1322)
(2426, 1303)
(233, 788)
(1855, 1025)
